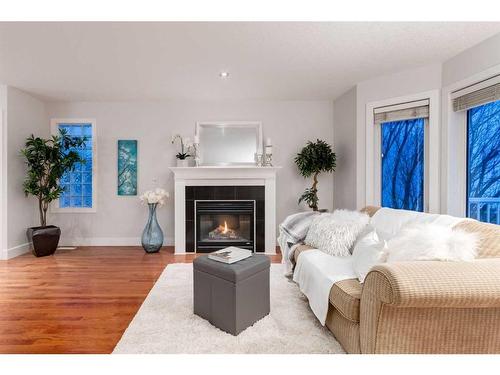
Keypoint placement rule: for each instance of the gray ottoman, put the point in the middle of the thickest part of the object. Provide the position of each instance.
(231, 296)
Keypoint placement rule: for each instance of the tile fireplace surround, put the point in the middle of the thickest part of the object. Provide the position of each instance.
(225, 176)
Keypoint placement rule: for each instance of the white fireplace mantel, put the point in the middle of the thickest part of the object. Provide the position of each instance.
(225, 176)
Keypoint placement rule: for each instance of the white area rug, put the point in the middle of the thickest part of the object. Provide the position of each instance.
(165, 323)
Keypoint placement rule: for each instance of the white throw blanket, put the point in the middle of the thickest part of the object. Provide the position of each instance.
(315, 273)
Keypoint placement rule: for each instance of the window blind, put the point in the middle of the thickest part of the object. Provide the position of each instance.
(467, 99)
(405, 111)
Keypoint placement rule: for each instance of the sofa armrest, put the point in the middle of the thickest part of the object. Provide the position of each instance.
(436, 284)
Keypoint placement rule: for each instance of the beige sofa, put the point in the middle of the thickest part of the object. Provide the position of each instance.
(424, 306)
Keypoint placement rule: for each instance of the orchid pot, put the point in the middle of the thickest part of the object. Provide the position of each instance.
(183, 162)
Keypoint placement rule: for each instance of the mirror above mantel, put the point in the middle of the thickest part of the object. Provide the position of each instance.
(229, 143)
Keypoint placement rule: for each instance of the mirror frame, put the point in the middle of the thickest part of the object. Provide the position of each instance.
(257, 125)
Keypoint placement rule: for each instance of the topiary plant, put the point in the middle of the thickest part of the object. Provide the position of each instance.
(47, 160)
(313, 159)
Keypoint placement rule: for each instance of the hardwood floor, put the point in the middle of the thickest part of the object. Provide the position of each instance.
(77, 301)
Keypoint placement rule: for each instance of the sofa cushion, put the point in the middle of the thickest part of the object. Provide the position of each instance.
(370, 210)
(299, 249)
(489, 237)
(345, 296)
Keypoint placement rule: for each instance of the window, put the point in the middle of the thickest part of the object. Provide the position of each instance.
(79, 185)
(403, 164)
(475, 164)
(400, 169)
(483, 162)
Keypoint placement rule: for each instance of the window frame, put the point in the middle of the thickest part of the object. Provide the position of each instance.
(466, 120)
(454, 144)
(54, 129)
(432, 141)
(378, 165)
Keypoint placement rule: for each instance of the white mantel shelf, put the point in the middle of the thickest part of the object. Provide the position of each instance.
(225, 176)
(225, 172)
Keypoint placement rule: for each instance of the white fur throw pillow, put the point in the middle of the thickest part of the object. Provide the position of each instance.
(369, 251)
(431, 242)
(335, 233)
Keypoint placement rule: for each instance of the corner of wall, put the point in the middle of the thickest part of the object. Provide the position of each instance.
(24, 114)
(3, 171)
(344, 142)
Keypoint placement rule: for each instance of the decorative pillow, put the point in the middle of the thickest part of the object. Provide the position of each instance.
(368, 228)
(369, 251)
(432, 242)
(335, 233)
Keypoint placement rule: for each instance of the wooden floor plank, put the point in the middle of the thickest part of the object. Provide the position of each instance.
(77, 301)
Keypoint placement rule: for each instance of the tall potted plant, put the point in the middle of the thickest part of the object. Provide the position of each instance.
(313, 159)
(47, 160)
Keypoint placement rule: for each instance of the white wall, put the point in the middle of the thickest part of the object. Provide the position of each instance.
(25, 116)
(472, 65)
(472, 61)
(344, 145)
(120, 220)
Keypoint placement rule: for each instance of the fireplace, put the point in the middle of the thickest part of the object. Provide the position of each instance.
(242, 208)
(222, 223)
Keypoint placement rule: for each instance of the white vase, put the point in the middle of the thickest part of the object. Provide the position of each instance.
(183, 162)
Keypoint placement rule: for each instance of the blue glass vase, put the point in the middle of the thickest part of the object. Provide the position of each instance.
(152, 236)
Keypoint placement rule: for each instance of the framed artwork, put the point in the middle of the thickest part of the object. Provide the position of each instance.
(127, 167)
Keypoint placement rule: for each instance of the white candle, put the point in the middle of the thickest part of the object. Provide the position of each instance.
(196, 138)
(259, 150)
(268, 142)
(269, 149)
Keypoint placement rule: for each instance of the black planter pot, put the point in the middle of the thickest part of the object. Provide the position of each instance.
(44, 239)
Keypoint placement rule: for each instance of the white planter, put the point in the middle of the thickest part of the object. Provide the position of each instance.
(183, 163)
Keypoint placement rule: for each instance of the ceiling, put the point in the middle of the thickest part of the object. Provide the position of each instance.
(182, 61)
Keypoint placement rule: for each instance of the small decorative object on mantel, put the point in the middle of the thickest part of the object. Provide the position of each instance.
(184, 154)
(127, 167)
(259, 157)
(152, 236)
(268, 156)
(313, 159)
(196, 150)
(47, 161)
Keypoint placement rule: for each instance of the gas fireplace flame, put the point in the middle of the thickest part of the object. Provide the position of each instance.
(223, 233)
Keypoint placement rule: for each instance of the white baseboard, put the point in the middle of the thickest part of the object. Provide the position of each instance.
(90, 241)
(107, 241)
(15, 251)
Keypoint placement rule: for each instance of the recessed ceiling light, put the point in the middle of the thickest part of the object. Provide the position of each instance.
(224, 74)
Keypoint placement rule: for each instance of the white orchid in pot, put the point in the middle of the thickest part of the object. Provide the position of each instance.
(152, 236)
(185, 152)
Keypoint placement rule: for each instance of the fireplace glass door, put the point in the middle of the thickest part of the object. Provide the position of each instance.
(220, 224)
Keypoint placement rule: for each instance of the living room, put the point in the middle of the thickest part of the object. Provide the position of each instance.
(250, 187)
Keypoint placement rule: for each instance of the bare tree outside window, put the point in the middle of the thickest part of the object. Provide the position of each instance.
(483, 162)
(403, 164)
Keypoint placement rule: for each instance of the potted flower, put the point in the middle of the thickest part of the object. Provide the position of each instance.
(184, 154)
(47, 160)
(152, 236)
(313, 159)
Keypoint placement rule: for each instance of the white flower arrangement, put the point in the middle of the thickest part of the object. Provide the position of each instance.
(186, 147)
(156, 196)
